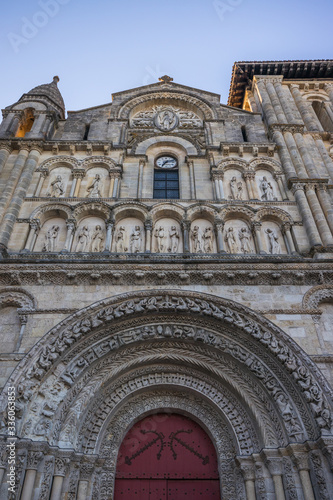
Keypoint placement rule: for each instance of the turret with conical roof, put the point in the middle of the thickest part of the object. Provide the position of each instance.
(35, 114)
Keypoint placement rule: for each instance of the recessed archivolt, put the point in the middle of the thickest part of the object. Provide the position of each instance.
(137, 210)
(265, 163)
(98, 161)
(316, 295)
(232, 163)
(172, 210)
(198, 211)
(245, 407)
(288, 361)
(45, 212)
(276, 214)
(141, 145)
(17, 297)
(176, 96)
(59, 161)
(236, 211)
(89, 208)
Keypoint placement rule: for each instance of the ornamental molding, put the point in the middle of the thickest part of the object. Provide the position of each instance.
(64, 208)
(17, 297)
(205, 108)
(269, 213)
(316, 295)
(66, 337)
(284, 127)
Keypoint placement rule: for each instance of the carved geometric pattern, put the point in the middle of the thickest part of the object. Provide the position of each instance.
(316, 295)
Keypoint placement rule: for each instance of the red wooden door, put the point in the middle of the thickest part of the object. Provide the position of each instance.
(167, 457)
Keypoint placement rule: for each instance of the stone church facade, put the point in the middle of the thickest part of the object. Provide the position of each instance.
(165, 254)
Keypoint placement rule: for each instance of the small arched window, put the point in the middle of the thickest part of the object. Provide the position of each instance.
(166, 178)
(26, 123)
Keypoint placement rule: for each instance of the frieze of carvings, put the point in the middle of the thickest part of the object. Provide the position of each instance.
(17, 297)
(166, 118)
(197, 140)
(146, 402)
(45, 488)
(316, 295)
(284, 127)
(58, 341)
(205, 108)
(319, 470)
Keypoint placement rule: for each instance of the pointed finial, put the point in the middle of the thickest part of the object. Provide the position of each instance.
(56, 79)
(166, 79)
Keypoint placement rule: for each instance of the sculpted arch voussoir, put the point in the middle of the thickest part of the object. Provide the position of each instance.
(141, 145)
(59, 161)
(316, 295)
(54, 345)
(42, 210)
(17, 297)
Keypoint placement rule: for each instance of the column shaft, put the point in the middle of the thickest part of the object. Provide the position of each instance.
(57, 487)
(191, 173)
(250, 490)
(221, 189)
(307, 160)
(13, 179)
(325, 156)
(310, 123)
(73, 186)
(18, 196)
(140, 179)
(28, 485)
(284, 102)
(77, 187)
(217, 189)
(4, 154)
(266, 103)
(258, 240)
(294, 154)
(275, 102)
(286, 160)
(306, 485)
(82, 490)
(319, 216)
(278, 485)
(307, 218)
(290, 241)
(39, 185)
(326, 205)
(115, 188)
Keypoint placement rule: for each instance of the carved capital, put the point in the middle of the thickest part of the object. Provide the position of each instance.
(249, 175)
(247, 468)
(34, 224)
(297, 186)
(61, 466)
(185, 225)
(301, 460)
(34, 459)
(218, 225)
(86, 471)
(148, 224)
(71, 224)
(78, 174)
(273, 462)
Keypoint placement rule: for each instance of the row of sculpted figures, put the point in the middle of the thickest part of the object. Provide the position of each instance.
(163, 229)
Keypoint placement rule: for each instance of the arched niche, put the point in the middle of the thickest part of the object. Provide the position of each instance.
(26, 122)
(90, 234)
(59, 182)
(129, 235)
(202, 236)
(95, 183)
(272, 238)
(52, 235)
(234, 184)
(12, 301)
(267, 186)
(166, 140)
(238, 236)
(167, 235)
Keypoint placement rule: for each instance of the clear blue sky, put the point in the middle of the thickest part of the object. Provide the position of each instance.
(100, 47)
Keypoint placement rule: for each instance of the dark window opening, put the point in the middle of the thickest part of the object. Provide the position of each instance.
(244, 134)
(86, 132)
(166, 184)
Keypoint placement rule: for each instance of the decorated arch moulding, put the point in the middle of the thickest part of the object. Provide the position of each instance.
(64, 209)
(316, 295)
(208, 112)
(255, 421)
(265, 163)
(232, 211)
(165, 210)
(274, 213)
(142, 144)
(52, 349)
(92, 208)
(233, 162)
(199, 211)
(17, 297)
(320, 95)
(59, 161)
(148, 404)
(102, 161)
(130, 209)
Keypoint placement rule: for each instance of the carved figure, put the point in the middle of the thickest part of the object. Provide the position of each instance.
(51, 238)
(266, 189)
(120, 240)
(174, 239)
(136, 240)
(94, 189)
(233, 188)
(160, 239)
(166, 120)
(245, 237)
(231, 240)
(207, 240)
(274, 245)
(97, 239)
(82, 239)
(196, 239)
(57, 187)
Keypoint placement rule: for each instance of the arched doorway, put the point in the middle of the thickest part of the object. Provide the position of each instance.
(167, 456)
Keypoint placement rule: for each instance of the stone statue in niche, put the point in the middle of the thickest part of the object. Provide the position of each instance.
(207, 239)
(160, 239)
(230, 240)
(245, 240)
(82, 239)
(174, 239)
(94, 189)
(196, 240)
(120, 240)
(51, 238)
(57, 187)
(266, 189)
(273, 239)
(97, 239)
(236, 188)
(136, 240)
